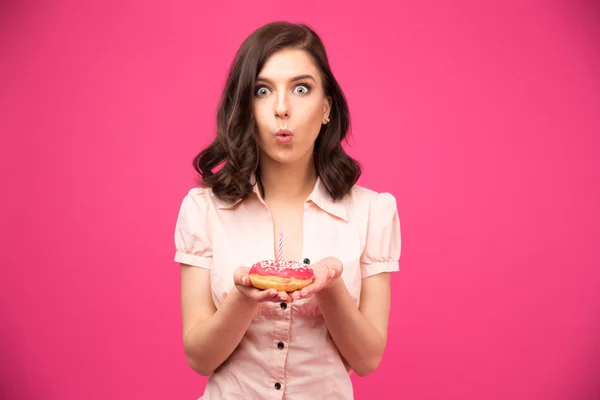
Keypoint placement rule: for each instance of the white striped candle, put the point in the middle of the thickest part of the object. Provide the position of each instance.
(281, 246)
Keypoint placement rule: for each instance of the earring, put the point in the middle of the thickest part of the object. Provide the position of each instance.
(327, 120)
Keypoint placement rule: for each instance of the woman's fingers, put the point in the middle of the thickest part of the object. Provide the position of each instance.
(283, 296)
(269, 294)
(332, 273)
(308, 290)
(241, 277)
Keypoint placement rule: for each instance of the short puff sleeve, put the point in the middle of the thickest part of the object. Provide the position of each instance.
(192, 234)
(383, 242)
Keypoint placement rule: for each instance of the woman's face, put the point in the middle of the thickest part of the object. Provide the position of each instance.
(289, 106)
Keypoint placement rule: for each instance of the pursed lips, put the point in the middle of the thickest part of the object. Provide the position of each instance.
(284, 136)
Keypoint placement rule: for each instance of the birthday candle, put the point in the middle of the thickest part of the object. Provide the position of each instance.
(281, 246)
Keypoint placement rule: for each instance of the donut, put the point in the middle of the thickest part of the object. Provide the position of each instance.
(285, 276)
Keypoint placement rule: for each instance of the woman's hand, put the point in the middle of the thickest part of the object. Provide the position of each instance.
(326, 272)
(241, 279)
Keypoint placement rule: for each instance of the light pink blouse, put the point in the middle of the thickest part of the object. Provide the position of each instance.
(287, 352)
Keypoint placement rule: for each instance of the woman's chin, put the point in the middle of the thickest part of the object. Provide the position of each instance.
(288, 155)
(285, 156)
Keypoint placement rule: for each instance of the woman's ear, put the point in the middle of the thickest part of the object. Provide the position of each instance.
(327, 109)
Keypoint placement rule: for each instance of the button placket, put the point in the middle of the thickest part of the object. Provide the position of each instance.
(281, 333)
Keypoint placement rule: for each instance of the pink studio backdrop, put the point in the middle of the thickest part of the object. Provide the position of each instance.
(483, 120)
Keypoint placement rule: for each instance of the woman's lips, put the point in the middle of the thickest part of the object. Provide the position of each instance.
(284, 136)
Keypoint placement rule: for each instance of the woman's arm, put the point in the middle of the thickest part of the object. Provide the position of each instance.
(359, 334)
(211, 335)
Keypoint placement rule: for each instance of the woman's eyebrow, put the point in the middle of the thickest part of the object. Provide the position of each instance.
(294, 79)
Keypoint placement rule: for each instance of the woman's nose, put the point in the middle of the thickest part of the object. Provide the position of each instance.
(282, 108)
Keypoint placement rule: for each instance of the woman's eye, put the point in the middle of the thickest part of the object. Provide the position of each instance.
(262, 91)
(301, 89)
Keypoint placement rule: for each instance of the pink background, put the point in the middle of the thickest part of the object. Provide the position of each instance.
(483, 120)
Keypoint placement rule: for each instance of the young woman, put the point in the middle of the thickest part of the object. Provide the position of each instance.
(277, 165)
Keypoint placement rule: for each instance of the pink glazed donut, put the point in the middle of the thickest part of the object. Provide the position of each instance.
(285, 276)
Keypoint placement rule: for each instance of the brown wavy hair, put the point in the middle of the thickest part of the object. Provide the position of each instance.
(234, 151)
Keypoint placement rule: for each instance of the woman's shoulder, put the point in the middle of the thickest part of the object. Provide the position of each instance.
(361, 197)
(206, 199)
(198, 196)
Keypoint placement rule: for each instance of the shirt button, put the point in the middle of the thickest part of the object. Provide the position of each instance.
(277, 385)
(280, 345)
(306, 261)
(283, 305)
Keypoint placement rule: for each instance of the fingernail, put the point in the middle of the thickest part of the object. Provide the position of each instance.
(332, 274)
(244, 280)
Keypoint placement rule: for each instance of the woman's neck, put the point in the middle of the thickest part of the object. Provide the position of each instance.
(287, 181)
